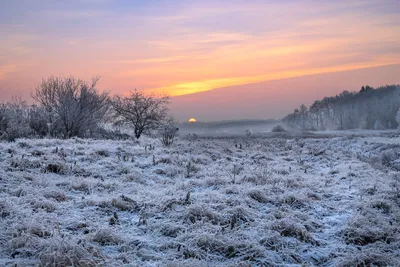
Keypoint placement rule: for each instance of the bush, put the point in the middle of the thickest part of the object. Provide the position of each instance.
(369, 257)
(168, 134)
(102, 133)
(73, 107)
(54, 168)
(106, 237)
(14, 120)
(290, 228)
(387, 158)
(61, 252)
(278, 129)
(258, 196)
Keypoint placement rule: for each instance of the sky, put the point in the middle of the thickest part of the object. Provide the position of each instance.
(185, 47)
(276, 98)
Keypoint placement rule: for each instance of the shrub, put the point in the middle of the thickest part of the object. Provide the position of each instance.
(59, 196)
(124, 203)
(288, 227)
(103, 153)
(168, 134)
(54, 168)
(61, 252)
(106, 237)
(278, 129)
(370, 257)
(14, 120)
(387, 158)
(73, 106)
(5, 209)
(197, 213)
(102, 133)
(258, 196)
(366, 229)
(211, 244)
(170, 230)
(46, 205)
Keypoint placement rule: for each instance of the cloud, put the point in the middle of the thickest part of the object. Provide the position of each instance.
(150, 60)
(7, 69)
(223, 37)
(200, 45)
(72, 42)
(207, 85)
(55, 14)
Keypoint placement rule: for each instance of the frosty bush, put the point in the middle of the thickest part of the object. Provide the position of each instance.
(106, 236)
(168, 134)
(58, 251)
(73, 107)
(387, 158)
(368, 257)
(14, 120)
(278, 129)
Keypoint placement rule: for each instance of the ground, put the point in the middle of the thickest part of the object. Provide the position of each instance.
(269, 200)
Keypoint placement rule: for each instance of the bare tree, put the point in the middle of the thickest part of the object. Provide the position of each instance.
(73, 106)
(398, 119)
(143, 112)
(38, 121)
(14, 120)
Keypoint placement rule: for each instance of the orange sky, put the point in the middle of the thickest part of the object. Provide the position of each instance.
(276, 98)
(184, 47)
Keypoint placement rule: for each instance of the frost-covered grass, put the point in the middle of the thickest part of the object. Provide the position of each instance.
(233, 201)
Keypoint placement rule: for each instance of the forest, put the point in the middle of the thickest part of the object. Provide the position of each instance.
(369, 108)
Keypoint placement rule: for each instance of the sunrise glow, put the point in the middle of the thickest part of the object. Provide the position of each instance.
(209, 132)
(180, 48)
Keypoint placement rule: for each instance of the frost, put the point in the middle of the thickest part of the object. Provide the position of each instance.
(328, 199)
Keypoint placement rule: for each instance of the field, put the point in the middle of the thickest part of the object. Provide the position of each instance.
(272, 200)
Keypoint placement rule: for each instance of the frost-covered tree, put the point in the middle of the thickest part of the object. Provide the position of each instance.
(303, 116)
(368, 108)
(14, 120)
(398, 119)
(74, 107)
(38, 121)
(143, 112)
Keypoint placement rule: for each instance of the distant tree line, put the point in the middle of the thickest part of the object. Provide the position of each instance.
(368, 108)
(69, 107)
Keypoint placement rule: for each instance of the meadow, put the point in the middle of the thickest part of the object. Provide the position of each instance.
(328, 199)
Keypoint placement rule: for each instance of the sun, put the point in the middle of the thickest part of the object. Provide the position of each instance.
(192, 120)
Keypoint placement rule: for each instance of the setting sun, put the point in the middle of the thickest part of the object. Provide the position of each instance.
(192, 120)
